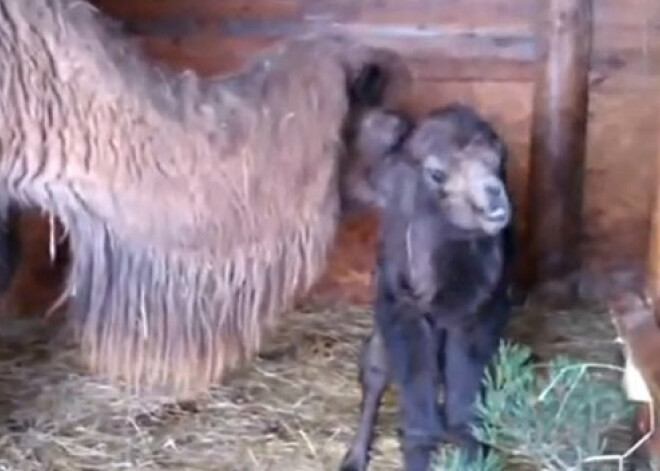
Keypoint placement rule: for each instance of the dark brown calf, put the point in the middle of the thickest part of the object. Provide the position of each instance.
(442, 278)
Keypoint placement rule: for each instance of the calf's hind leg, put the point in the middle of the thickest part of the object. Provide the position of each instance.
(374, 379)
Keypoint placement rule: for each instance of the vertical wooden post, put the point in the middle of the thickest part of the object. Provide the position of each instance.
(653, 261)
(644, 339)
(559, 141)
(648, 348)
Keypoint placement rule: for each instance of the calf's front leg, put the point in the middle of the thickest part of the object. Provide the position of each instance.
(411, 345)
(468, 351)
(374, 379)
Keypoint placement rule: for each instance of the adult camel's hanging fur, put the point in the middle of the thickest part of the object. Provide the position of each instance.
(196, 208)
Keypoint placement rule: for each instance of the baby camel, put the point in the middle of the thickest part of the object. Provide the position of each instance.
(445, 256)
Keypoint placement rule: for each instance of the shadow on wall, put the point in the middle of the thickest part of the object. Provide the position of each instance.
(348, 276)
(40, 276)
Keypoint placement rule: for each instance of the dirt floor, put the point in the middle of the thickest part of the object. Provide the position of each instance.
(292, 409)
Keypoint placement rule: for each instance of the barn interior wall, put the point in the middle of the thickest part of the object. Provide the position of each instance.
(622, 143)
(481, 53)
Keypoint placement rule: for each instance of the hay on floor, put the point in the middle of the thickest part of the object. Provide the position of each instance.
(294, 408)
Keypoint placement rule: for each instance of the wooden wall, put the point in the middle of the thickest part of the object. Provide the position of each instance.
(624, 126)
(483, 52)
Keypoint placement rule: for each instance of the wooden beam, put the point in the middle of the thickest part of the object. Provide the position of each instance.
(653, 260)
(433, 54)
(558, 144)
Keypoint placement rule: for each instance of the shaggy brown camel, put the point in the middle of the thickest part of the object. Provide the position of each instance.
(196, 208)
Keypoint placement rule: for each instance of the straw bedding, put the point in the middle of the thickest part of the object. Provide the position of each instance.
(293, 408)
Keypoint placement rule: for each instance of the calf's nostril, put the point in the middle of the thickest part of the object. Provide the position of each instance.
(495, 199)
(493, 192)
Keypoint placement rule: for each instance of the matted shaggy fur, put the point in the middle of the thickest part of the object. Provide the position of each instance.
(196, 209)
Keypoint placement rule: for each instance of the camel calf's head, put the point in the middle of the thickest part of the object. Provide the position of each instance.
(462, 160)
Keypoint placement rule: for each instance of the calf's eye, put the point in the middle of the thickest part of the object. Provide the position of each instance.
(437, 176)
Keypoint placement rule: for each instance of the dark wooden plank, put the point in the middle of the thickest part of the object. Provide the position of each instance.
(558, 145)
(155, 10)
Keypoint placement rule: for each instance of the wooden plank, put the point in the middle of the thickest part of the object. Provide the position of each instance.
(625, 57)
(447, 57)
(434, 52)
(329, 10)
(441, 68)
(154, 10)
(653, 259)
(209, 52)
(452, 42)
(207, 55)
(502, 15)
(516, 14)
(633, 13)
(442, 54)
(619, 179)
(558, 146)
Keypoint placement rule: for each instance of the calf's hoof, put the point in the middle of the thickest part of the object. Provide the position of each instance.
(418, 458)
(461, 437)
(353, 462)
(418, 446)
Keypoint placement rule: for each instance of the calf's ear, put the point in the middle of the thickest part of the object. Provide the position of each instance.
(377, 77)
(369, 87)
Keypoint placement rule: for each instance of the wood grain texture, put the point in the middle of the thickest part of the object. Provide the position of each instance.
(622, 149)
(653, 260)
(558, 141)
(145, 11)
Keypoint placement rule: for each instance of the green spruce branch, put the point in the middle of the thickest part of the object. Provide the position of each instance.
(550, 417)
